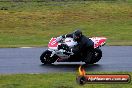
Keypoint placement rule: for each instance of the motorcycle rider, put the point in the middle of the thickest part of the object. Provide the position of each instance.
(84, 44)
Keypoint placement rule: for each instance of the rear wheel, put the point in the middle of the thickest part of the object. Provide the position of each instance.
(97, 55)
(46, 59)
(94, 57)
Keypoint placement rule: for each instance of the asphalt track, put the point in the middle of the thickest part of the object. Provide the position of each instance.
(26, 60)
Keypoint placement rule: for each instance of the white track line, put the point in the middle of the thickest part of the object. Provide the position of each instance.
(26, 47)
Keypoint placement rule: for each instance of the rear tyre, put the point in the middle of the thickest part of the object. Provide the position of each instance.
(46, 59)
(96, 56)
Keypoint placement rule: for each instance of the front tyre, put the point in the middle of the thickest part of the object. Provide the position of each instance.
(44, 56)
(46, 59)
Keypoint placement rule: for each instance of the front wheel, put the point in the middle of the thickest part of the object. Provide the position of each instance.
(46, 59)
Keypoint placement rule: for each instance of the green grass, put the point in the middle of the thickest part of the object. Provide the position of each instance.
(34, 23)
(54, 80)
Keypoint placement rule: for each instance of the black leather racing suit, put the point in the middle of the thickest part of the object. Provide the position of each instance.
(84, 44)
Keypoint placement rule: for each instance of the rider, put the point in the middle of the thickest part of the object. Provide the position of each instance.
(83, 43)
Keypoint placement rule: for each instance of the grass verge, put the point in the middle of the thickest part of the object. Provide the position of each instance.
(34, 23)
(53, 80)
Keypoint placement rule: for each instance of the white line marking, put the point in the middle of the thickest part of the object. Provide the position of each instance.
(26, 47)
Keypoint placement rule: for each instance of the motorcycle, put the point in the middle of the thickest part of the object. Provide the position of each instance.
(59, 51)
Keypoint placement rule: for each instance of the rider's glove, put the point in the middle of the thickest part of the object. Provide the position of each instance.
(58, 39)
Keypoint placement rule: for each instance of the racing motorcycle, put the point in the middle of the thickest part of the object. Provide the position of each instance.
(59, 51)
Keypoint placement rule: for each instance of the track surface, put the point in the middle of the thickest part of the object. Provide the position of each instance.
(26, 60)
